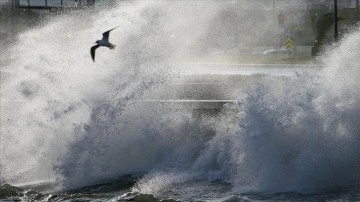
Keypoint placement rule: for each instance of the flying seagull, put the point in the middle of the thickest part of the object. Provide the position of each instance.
(103, 42)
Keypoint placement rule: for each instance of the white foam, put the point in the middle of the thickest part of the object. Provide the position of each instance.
(79, 121)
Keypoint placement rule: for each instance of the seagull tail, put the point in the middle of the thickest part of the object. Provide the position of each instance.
(112, 46)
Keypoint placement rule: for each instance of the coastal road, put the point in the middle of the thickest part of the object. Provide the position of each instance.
(210, 86)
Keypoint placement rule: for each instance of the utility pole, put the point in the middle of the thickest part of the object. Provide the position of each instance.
(274, 10)
(10, 15)
(335, 21)
(357, 10)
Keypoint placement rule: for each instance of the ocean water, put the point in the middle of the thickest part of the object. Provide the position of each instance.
(75, 130)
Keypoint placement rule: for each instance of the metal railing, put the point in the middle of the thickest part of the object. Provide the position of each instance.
(52, 4)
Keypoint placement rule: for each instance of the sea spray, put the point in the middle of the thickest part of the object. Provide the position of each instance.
(69, 120)
(297, 134)
(291, 134)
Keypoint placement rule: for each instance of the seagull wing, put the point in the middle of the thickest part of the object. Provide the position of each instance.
(92, 51)
(106, 34)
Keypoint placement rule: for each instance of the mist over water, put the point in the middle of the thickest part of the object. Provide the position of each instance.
(74, 122)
